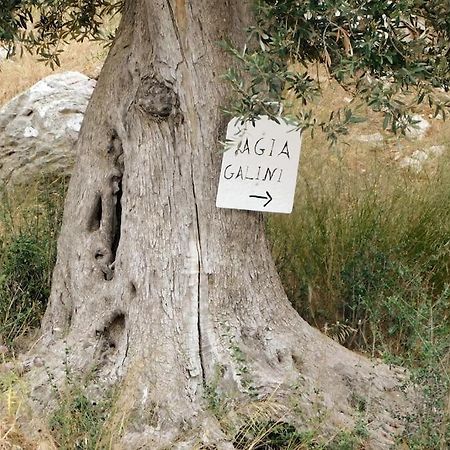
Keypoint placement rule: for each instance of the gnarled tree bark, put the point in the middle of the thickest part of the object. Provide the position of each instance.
(154, 286)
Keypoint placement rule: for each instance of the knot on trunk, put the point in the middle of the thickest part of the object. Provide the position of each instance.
(156, 98)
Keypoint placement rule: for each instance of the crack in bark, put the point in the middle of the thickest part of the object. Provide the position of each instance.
(117, 226)
(176, 29)
(96, 214)
(127, 346)
(199, 284)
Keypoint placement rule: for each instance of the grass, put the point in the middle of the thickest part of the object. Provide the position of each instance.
(356, 243)
(30, 220)
(20, 73)
(29, 223)
(78, 421)
(365, 257)
(264, 425)
(12, 394)
(279, 435)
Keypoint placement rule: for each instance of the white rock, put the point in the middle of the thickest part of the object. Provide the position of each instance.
(417, 159)
(74, 123)
(436, 150)
(411, 163)
(420, 127)
(375, 137)
(420, 155)
(39, 127)
(3, 53)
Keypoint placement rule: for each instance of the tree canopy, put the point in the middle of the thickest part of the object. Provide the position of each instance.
(41, 26)
(378, 50)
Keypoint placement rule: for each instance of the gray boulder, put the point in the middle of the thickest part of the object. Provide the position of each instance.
(39, 127)
(416, 161)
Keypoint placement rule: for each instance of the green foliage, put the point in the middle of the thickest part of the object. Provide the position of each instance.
(367, 260)
(378, 50)
(42, 26)
(23, 288)
(78, 421)
(28, 229)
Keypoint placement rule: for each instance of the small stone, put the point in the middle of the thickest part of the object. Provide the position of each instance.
(224, 446)
(411, 163)
(420, 155)
(3, 350)
(436, 150)
(46, 445)
(38, 362)
(7, 367)
(371, 138)
(420, 127)
(439, 116)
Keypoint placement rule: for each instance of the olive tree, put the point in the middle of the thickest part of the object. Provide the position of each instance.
(155, 289)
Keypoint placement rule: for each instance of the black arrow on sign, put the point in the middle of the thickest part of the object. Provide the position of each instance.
(268, 198)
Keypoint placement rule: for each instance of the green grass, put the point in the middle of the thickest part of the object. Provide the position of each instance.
(279, 435)
(78, 422)
(358, 241)
(29, 222)
(366, 258)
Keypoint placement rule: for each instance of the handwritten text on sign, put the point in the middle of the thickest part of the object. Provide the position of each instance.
(259, 167)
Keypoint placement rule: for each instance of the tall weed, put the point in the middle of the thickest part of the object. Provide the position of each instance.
(366, 258)
(354, 243)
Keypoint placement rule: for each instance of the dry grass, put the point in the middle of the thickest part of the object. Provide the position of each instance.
(12, 395)
(15, 413)
(19, 73)
(360, 156)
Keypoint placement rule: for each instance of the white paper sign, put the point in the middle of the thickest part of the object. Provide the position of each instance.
(259, 167)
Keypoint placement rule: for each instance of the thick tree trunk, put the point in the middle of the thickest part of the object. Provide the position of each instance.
(154, 286)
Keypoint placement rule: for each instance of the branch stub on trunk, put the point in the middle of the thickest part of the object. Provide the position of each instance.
(156, 98)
